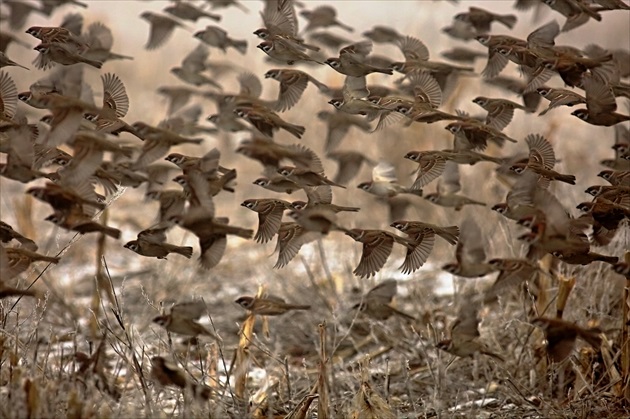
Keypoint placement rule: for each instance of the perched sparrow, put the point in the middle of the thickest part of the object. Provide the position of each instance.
(266, 121)
(600, 105)
(561, 336)
(292, 85)
(7, 234)
(559, 97)
(323, 17)
(377, 246)
(464, 340)
(18, 260)
(212, 233)
(481, 19)
(162, 27)
(181, 320)
(500, 111)
(218, 38)
(291, 238)
(190, 12)
(285, 52)
(470, 253)
(376, 303)
(270, 212)
(58, 53)
(152, 243)
(168, 374)
(268, 305)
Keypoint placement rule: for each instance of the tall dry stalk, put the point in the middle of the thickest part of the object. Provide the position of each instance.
(323, 402)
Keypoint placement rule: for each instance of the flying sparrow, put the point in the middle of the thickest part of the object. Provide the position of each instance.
(500, 111)
(182, 320)
(323, 17)
(292, 86)
(377, 246)
(376, 303)
(338, 125)
(481, 19)
(218, 38)
(270, 212)
(18, 260)
(190, 12)
(162, 28)
(559, 97)
(600, 105)
(469, 253)
(7, 234)
(561, 336)
(268, 305)
(168, 374)
(52, 53)
(151, 242)
(291, 237)
(267, 121)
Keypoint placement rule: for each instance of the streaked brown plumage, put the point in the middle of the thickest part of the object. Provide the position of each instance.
(268, 305)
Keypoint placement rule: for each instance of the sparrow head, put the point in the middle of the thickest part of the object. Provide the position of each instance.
(606, 174)
(505, 51)
(285, 170)
(162, 320)
(262, 33)
(181, 180)
(500, 208)
(432, 197)
(38, 193)
(496, 263)
(92, 117)
(42, 48)
(483, 39)
(356, 233)
(444, 345)
(480, 100)
(452, 268)
(518, 168)
(374, 99)
(263, 181)
(175, 158)
(595, 190)
(414, 155)
(241, 112)
(25, 96)
(621, 148)
(250, 204)
(154, 195)
(213, 118)
(400, 225)
(298, 205)
(132, 245)
(403, 109)
(585, 206)
(398, 66)
(46, 119)
(336, 102)
(543, 91)
(366, 186)
(453, 127)
(35, 31)
(273, 74)
(335, 63)
(54, 218)
(266, 46)
(246, 302)
(527, 222)
(549, 65)
(530, 237)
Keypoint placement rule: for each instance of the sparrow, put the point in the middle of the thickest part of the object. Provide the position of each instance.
(320, 220)
(306, 177)
(323, 17)
(281, 25)
(600, 105)
(269, 154)
(268, 305)
(67, 199)
(615, 177)
(161, 30)
(277, 184)
(282, 51)
(100, 40)
(541, 161)
(81, 223)
(464, 334)
(350, 163)
(561, 336)
(157, 142)
(270, 212)
(622, 268)
(291, 237)
(384, 183)
(8, 97)
(168, 374)
(576, 12)
(531, 100)
(447, 188)
(212, 233)
(7, 62)
(377, 246)
(520, 199)
(187, 11)
(481, 19)
(497, 62)
(376, 302)
(267, 121)
(351, 61)
(52, 53)
(383, 35)
(338, 125)
(7, 234)
(469, 253)
(321, 197)
(464, 55)
(18, 260)
(182, 320)
(421, 238)
(151, 242)
(218, 38)
(292, 86)
(500, 111)
(584, 258)
(606, 213)
(19, 163)
(513, 272)
(478, 134)
(60, 35)
(172, 202)
(192, 67)
(115, 107)
(559, 97)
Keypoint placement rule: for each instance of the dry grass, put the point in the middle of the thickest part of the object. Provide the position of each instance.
(83, 350)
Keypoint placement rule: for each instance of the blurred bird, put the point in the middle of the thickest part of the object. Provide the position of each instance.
(469, 253)
(323, 17)
(561, 336)
(168, 374)
(218, 38)
(268, 305)
(600, 105)
(376, 302)
(181, 320)
(152, 243)
(161, 30)
(270, 212)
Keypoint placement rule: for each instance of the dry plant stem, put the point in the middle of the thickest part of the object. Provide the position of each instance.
(565, 286)
(625, 336)
(316, 286)
(241, 359)
(301, 409)
(117, 311)
(329, 278)
(323, 402)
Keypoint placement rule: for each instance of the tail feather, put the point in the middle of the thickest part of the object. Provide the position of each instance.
(241, 46)
(296, 130)
(570, 179)
(450, 234)
(507, 20)
(185, 251)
